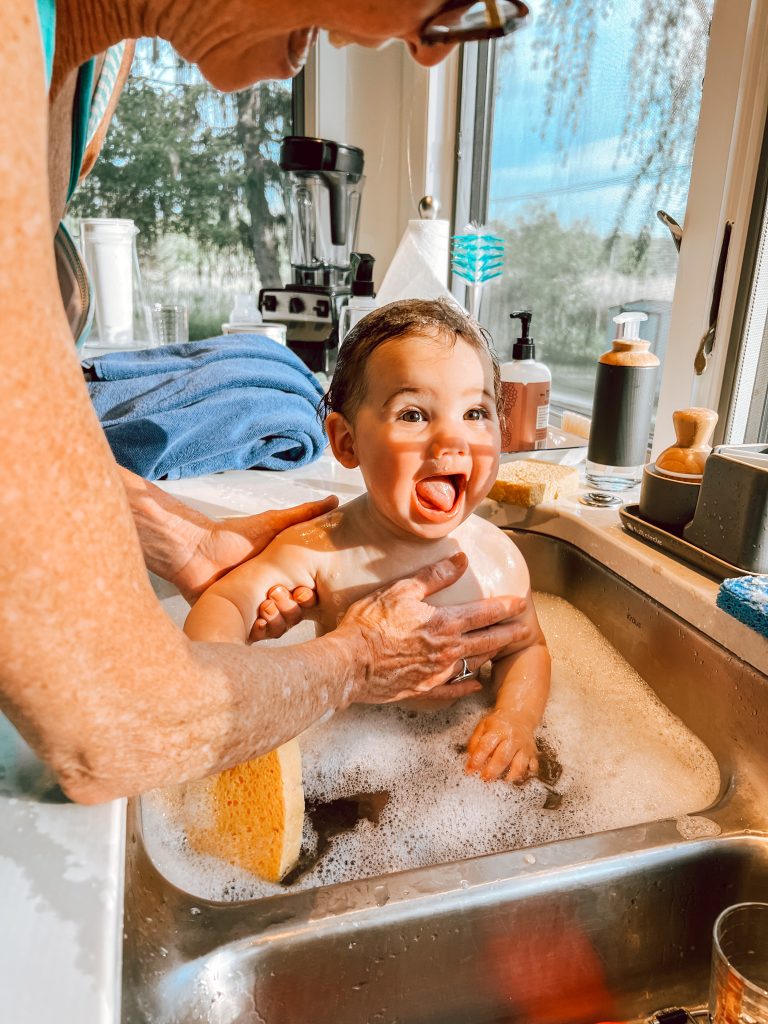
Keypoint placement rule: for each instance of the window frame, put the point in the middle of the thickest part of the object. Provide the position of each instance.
(723, 177)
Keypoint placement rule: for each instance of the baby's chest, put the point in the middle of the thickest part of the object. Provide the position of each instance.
(346, 581)
(350, 578)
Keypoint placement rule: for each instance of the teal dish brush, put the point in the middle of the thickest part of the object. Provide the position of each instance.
(477, 257)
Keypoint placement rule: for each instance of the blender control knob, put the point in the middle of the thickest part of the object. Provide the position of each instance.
(296, 305)
(269, 303)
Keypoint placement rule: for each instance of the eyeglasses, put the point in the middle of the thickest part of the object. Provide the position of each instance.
(463, 21)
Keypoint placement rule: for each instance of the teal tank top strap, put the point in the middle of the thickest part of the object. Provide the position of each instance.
(90, 103)
(46, 15)
(81, 117)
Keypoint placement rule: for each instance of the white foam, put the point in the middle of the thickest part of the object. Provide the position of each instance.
(626, 759)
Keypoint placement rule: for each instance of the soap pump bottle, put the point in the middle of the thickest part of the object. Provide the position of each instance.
(244, 317)
(525, 385)
(363, 298)
(622, 408)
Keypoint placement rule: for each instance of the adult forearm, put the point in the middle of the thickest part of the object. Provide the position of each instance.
(227, 704)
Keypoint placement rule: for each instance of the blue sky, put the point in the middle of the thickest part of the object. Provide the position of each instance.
(587, 178)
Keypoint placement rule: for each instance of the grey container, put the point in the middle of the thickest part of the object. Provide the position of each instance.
(621, 414)
(668, 501)
(731, 519)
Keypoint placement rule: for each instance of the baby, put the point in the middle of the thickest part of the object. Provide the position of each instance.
(413, 403)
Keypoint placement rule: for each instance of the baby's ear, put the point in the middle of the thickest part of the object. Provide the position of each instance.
(342, 440)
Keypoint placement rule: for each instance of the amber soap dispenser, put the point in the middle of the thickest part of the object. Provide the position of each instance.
(525, 385)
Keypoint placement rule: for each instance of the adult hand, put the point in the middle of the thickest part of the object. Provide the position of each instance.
(229, 542)
(410, 647)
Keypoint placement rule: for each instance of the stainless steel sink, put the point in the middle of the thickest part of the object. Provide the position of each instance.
(604, 927)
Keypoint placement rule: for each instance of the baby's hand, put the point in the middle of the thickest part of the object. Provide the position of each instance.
(279, 611)
(502, 742)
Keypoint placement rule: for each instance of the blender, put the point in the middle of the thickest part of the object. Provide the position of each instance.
(324, 184)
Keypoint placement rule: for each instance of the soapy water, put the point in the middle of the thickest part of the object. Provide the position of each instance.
(625, 759)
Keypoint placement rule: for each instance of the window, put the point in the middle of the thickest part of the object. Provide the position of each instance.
(593, 111)
(197, 172)
(748, 413)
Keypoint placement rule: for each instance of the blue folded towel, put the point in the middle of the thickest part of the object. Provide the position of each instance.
(746, 598)
(235, 402)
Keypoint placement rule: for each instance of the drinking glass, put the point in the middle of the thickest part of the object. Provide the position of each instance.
(170, 323)
(738, 992)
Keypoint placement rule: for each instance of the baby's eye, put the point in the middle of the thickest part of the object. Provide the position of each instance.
(411, 416)
(476, 414)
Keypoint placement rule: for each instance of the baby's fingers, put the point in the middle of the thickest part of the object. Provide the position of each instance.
(477, 735)
(480, 750)
(279, 611)
(258, 631)
(270, 622)
(305, 597)
(499, 761)
(523, 766)
(285, 603)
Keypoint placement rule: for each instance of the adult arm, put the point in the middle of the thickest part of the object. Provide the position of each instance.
(92, 672)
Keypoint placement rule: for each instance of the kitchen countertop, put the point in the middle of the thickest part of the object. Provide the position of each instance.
(61, 864)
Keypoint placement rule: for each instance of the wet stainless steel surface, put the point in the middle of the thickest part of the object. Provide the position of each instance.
(605, 927)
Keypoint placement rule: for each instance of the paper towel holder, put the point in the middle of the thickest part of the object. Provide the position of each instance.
(429, 208)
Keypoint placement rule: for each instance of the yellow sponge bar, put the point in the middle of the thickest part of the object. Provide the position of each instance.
(528, 482)
(254, 814)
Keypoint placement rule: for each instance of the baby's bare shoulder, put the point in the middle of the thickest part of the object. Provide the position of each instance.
(492, 550)
(314, 535)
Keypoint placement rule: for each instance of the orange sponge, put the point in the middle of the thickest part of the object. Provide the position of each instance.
(252, 815)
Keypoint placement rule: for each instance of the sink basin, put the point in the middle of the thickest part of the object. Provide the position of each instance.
(604, 927)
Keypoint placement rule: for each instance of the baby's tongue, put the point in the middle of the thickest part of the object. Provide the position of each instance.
(437, 492)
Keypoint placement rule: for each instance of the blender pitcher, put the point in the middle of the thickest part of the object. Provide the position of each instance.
(324, 182)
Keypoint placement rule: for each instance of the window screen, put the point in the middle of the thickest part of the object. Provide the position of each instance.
(594, 116)
(196, 170)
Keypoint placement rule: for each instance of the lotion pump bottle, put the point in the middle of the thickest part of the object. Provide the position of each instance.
(622, 408)
(363, 298)
(525, 385)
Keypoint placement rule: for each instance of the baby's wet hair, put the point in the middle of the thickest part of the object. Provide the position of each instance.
(437, 318)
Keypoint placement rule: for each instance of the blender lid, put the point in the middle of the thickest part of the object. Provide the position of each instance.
(303, 153)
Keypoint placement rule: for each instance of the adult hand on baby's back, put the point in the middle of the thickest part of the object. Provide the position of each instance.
(410, 647)
(227, 543)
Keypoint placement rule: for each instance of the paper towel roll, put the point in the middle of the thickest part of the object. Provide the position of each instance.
(419, 268)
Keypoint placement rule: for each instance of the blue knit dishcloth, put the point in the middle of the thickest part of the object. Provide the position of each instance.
(235, 402)
(746, 599)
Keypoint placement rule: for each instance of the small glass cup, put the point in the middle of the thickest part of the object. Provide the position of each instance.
(738, 992)
(170, 323)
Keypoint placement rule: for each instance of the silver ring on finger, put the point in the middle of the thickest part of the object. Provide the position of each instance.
(466, 673)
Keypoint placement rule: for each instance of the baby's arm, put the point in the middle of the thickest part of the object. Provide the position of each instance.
(504, 739)
(227, 610)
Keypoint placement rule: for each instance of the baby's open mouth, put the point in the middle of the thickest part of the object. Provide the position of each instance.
(440, 493)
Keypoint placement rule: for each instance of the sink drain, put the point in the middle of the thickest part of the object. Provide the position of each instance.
(599, 499)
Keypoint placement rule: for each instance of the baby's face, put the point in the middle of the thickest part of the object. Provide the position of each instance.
(427, 433)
